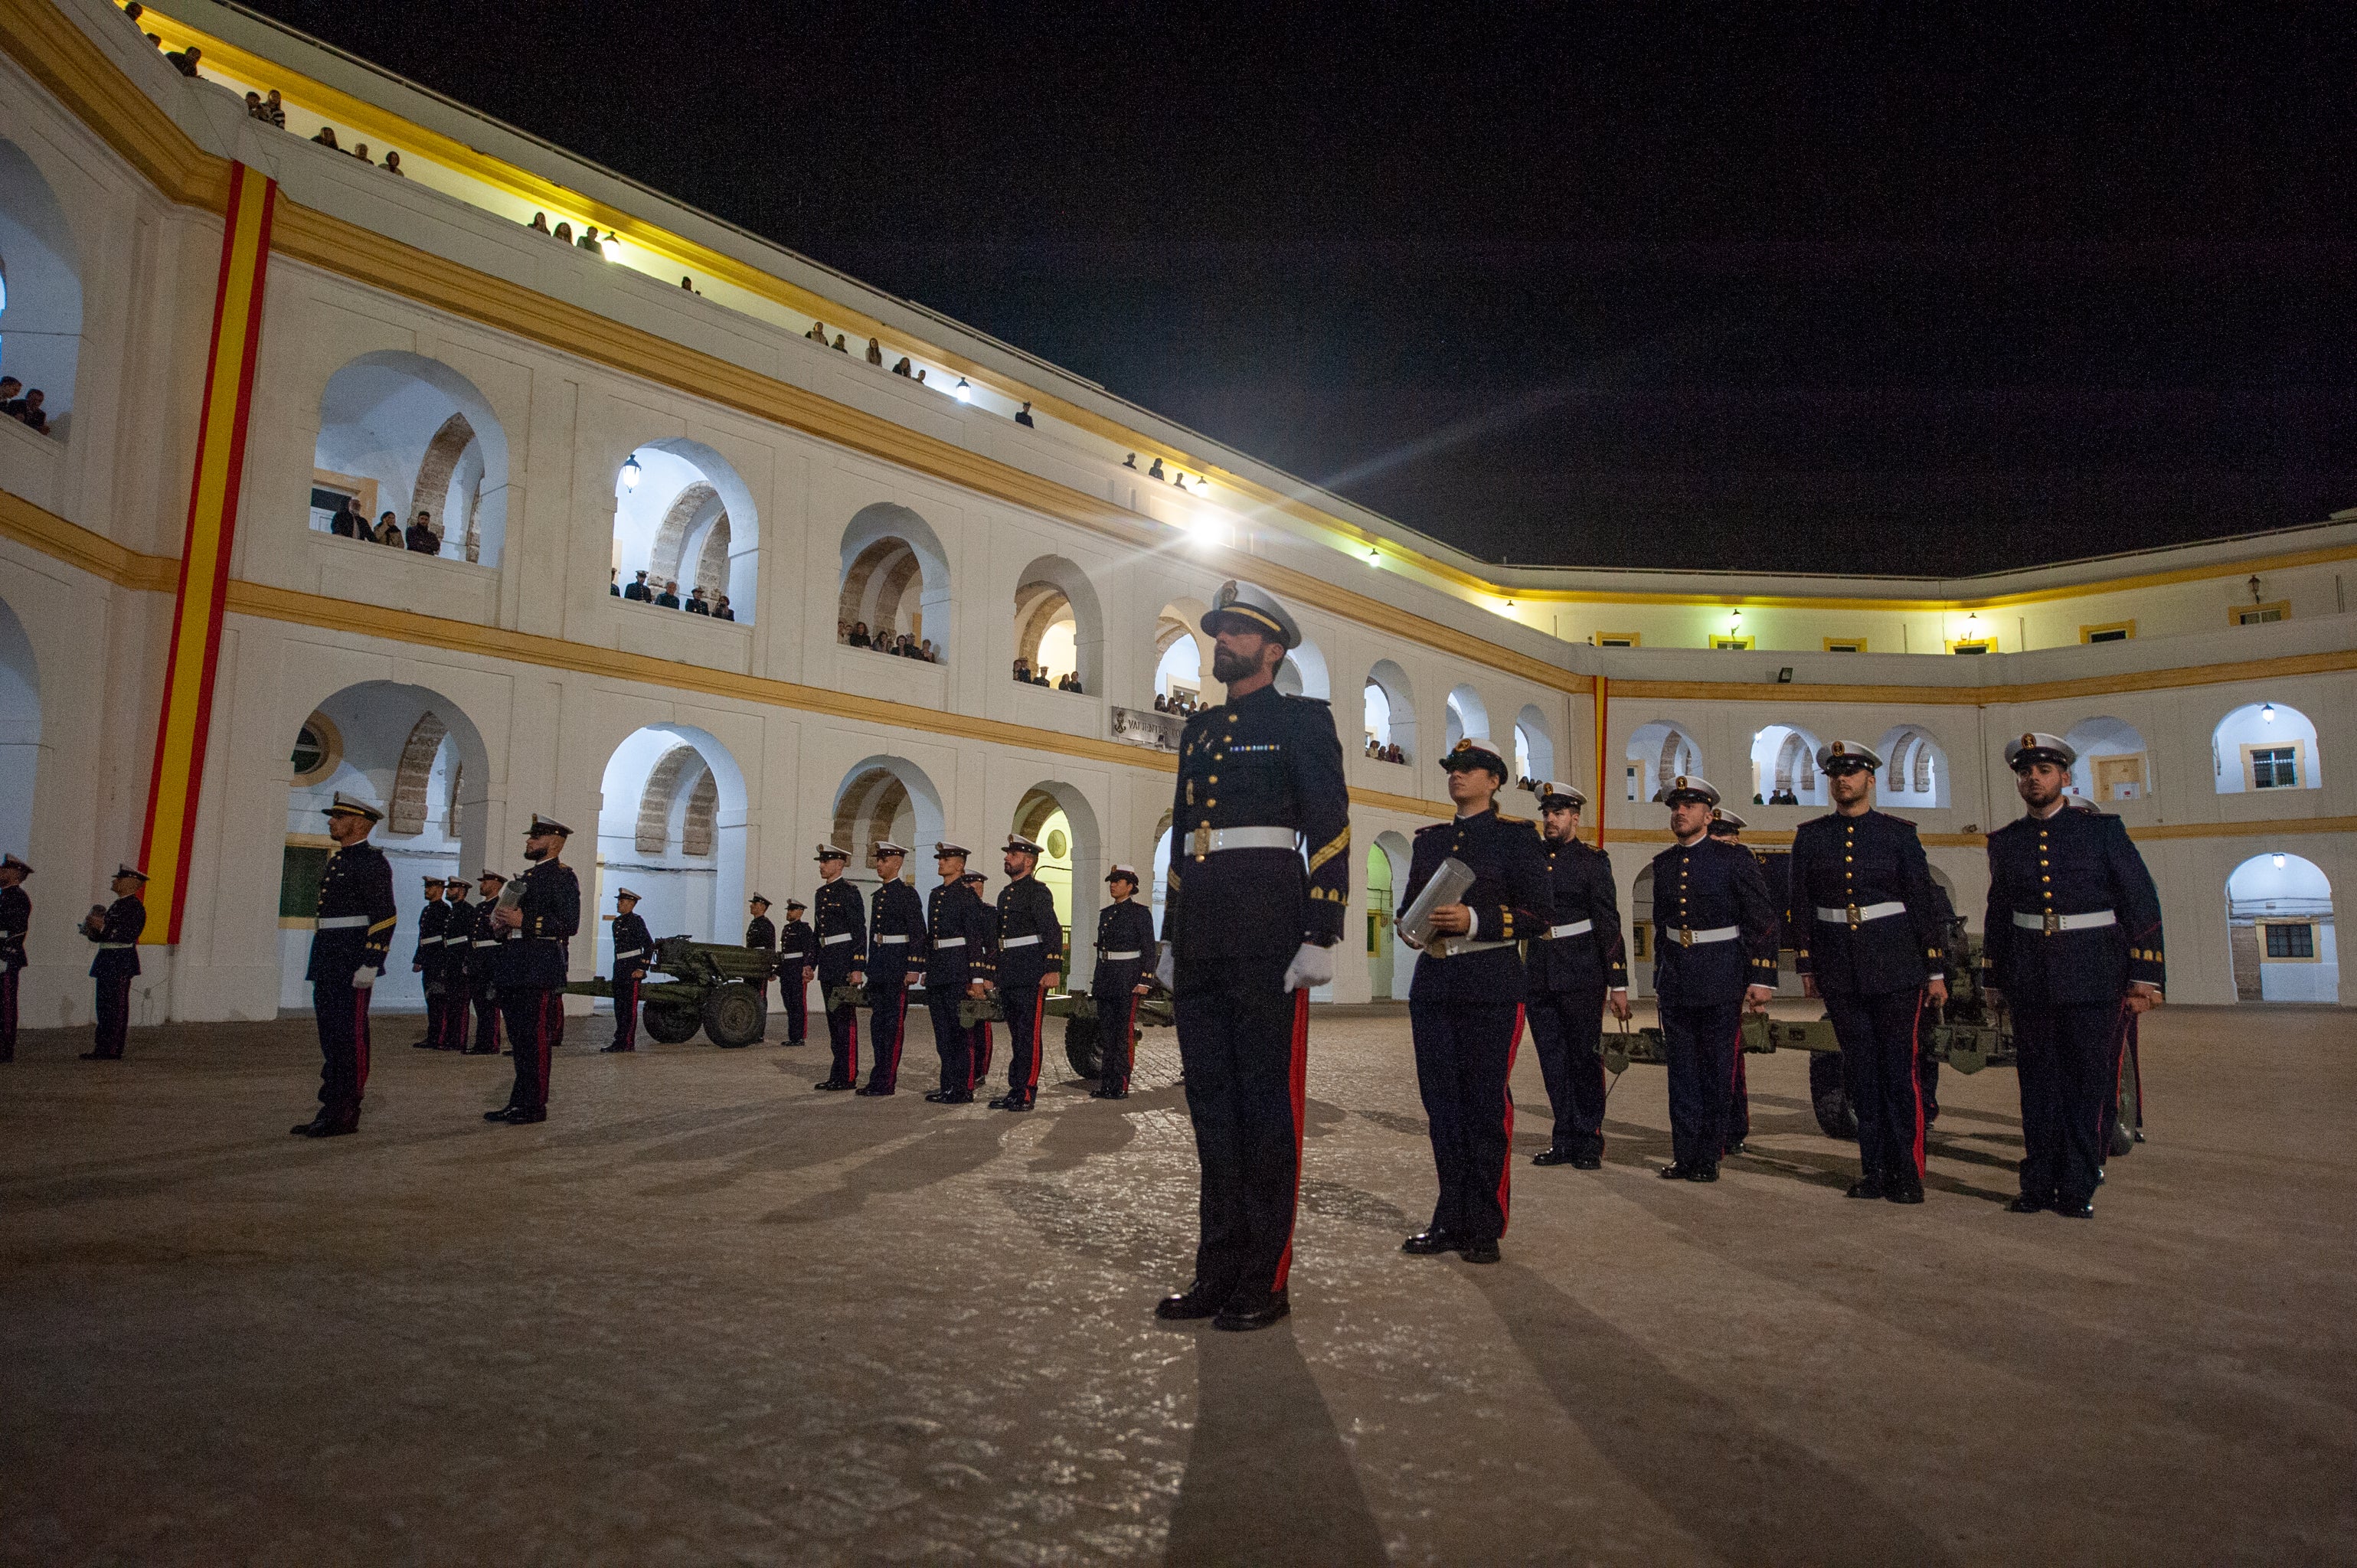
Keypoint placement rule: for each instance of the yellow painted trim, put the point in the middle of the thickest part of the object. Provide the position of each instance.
(72, 545)
(2235, 613)
(2089, 633)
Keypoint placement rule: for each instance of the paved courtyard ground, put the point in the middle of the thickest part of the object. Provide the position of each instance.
(705, 1315)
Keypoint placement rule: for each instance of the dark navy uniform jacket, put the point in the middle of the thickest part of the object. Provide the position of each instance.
(16, 919)
(2071, 863)
(797, 943)
(634, 946)
(1512, 900)
(1026, 909)
(483, 945)
(1596, 960)
(759, 933)
(954, 916)
(533, 956)
(1263, 760)
(356, 885)
(895, 911)
(1710, 886)
(1844, 863)
(126, 918)
(841, 921)
(458, 935)
(433, 924)
(1126, 927)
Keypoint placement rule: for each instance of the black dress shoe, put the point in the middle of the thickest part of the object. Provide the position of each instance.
(333, 1129)
(309, 1129)
(1866, 1186)
(1115, 1093)
(1703, 1173)
(525, 1115)
(499, 1115)
(1552, 1157)
(1241, 1315)
(1673, 1172)
(1735, 1148)
(1424, 1243)
(2025, 1203)
(1004, 1102)
(1478, 1251)
(1013, 1104)
(1905, 1192)
(1588, 1162)
(612, 1050)
(871, 1089)
(2099, 1175)
(2080, 1208)
(480, 1051)
(935, 1097)
(1197, 1300)
(834, 1083)
(424, 1045)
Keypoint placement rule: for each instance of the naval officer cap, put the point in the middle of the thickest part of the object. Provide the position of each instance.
(830, 851)
(1017, 845)
(1120, 873)
(542, 825)
(756, 898)
(345, 805)
(10, 863)
(885, 846)
(1475, 751)
(2034, 746)
(1257, 608)
(973, 879)
(1727, 823)
(434, 882)
(942, 850)
(794, 904)
(488, 875)
(1846, 755)
(622, 893)
(1556, 796)
(131, 871)
(1686, 787)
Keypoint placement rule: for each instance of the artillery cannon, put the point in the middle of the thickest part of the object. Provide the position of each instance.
(1083, 1050)
(712, 987)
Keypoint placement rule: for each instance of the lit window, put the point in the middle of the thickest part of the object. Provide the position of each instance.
(2291, 941)
(2274, 767)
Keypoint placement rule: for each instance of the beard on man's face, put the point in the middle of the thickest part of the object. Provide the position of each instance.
(1228, 665)
(535, 852)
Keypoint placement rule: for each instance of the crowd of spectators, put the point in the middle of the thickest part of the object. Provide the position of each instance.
(270, 109)
(1381, 751)
(900, 645)
(23, 407)
(1026, 676)
(1776, 798)
(664, 595)
(420, 537)
(1179, 702)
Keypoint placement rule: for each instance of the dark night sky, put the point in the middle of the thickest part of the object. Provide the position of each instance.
(1863, 289)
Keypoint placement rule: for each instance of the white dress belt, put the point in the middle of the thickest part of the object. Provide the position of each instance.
(486, 941)
(1687, 938)
(1860, 913)
(115, 946)
(940, 942)
(1210, 840)
(454, 941)
(891, 941)
(627, 953)
(1576, 928)
(838, 937)
(1118, 956)
(1019, 941)
(1455, 949)
(342, 922)
(2085, 922)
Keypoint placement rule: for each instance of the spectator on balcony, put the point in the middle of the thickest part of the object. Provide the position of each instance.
(817, 334)
(327, 138)
(1161, 704)
(345, 523)
(929, 653)
(669, 599)
(920, 376)
(1023, 672)
(539, 224)
(272, 109)
(133, 11)
(1156, 471)
(185, 61)
(563, 233)
(688, 283)
(423, 539)
(614, 581)
(902, 368)
(12, 396)
(1023, 417)
(859, 637)
(876, 353)
(695, 604)
(393, 165)
(253, 108)
(838, 344)
(360, 151)
(588, 240)
(388, 531)
(1130, 462)
(639, 591)
(721, 610)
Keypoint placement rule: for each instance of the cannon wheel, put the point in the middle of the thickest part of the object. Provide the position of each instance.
(1081, 1047)
(2123, 1125)
(732, 1014)
(1829, 1093)
(669, 1023)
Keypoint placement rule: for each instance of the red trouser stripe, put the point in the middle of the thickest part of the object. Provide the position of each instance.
(1039, 1015)
(982, 1052)
(359, 1041)
(1506, 1166)
(899, 1034)
(1915, 1077)
(1296, 1084)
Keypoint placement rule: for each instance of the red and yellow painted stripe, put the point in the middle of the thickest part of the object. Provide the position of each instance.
(195, 653)
(1604, 778)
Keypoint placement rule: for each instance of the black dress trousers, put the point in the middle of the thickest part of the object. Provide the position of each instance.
(1242, 1044)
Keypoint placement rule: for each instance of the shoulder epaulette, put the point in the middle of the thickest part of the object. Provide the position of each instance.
(1433, 828)
(1518, 822)
(1321, 702)
(1902, 821)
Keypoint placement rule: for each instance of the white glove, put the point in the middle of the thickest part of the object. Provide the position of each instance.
(1166, 968)
(1312, 966)
(362, 978)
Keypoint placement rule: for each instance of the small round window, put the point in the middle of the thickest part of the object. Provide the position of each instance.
(317, 749)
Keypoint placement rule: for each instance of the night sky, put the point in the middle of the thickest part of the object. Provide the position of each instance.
(1858, 289)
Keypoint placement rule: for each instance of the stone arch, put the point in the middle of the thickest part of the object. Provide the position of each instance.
(672, 826)
(1303, 673)
(683, 513)
(1389, 683)
(1050, 590)
(1389, 961)
(2113, 762)
(886, 797)
(412, 777)
(1914, 768)
(400, 432)
(1182, 654)
(2280, 931)
(1783, 762)
(1657, 753)
(40, 287)
(1535, 743)
(895, 575)
(20, 734)
(1076, 880)
(1467, 714)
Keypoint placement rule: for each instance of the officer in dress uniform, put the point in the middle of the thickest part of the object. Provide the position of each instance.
(2072, 937)
(349, 944)
(1465, 1003)
(1030, 955)
(634, 948)
(1124, 951)
(841, 920)
(16, 919)
(1726, 827)
(115, 930)
(1866, 916)
(481, 946)
(896, 937)
(529, 965)
(978, 1039)
(1715, 955)
(953, 942)
(427, 960)
(458, 974)
(760, 934)
(1259, 880)
(797, 950)
(1573, 970)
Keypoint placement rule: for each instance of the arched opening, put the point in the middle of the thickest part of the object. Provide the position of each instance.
(1467, 715)
(1387, 862)
(1303, 675)
(683, 515)
(895, 580)
(1390, 714)
(20, 736)
(1784, 768)
(1159, 894)
(416, 757)
(1914, 769)
(887, 798)
(405, 435)
(2112, 764)
(1182, 658)
(2265, 746)
(1533, 745)
(1641, 934)
(1060, 820)
(1658, 752)
(40, 288)
(2279, 928)
(1059, 630)
(671, 827)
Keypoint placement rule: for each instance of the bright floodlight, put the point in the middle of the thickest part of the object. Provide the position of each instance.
(630, 472)
(963, 393)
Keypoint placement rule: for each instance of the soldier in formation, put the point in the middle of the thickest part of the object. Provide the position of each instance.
(350, 939)
(956, 962)
(115, 930)
(896, 934)
(1573, 972)
(979, 1042)
(797, 950)
(1465, 1004)
(529, 964)
(1726, 827)
(841, 923)
(633, 951)
(457, 972)
(426, 960)
(16, 919)
(482, 948)
(761, 936)
(1030, 955)
(1124, 951)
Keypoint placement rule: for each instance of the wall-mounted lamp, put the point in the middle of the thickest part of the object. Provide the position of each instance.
(2280, 862)
(630, 472)
(962, 392)
(1784, 676)
(2266, 713)
(2254, 589)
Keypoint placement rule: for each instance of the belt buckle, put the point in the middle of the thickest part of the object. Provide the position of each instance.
(1202, 840)
(1685, 936)
(1854, 921)
(2053, 922)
